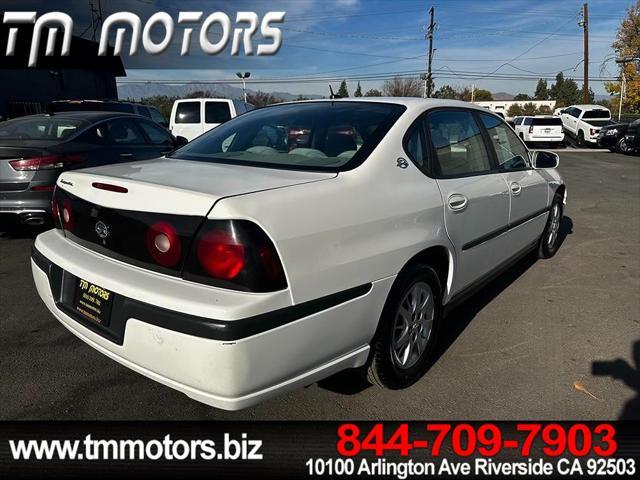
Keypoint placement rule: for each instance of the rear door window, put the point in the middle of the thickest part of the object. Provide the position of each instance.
(216, 112)
(155, 134)
(124, 131)
(188, 112)
(157, 117)
(458, 143)
(144, 111)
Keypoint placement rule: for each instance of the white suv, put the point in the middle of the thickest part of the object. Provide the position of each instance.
(192, 117)
(295, 241)
(583, 122)
(539, 129)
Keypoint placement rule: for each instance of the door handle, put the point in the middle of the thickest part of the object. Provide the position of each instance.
(126, 155)
(516, 188)
(457, 202)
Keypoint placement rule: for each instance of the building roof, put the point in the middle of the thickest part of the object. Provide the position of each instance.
(83, 54)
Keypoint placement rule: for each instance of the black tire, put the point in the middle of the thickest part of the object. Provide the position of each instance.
(622, 147)
(383, 370)
(612, 149)
(580, 139)
(547, 249)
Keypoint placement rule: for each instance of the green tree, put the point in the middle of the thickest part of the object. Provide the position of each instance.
(482, 95)
(542, 91)
(529, 108)
(446, 91)
(373, 92)
(163, 103)
(565, 91)
(261, 99)
(342, 91)
(515, 110)
(358, 92)
(522, 96)
(543, 110)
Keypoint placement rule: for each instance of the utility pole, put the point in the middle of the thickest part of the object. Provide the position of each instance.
(584, 23)
(428, 81)
(623, 80)
(473, 92)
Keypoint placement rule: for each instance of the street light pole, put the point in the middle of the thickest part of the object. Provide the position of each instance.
(243, 77)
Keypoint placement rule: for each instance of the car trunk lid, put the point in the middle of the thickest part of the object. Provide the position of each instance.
(174, 186)
(10, 178)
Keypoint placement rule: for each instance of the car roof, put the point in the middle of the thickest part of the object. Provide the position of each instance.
(88, 115)
(589, 107)
(412, 103)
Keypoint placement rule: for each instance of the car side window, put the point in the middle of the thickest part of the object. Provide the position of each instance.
(510, 152)
(188, 112)
(458, 144)
(124, 131)
(216, 112)
(415, 146)
(155, 134)
(527, 121)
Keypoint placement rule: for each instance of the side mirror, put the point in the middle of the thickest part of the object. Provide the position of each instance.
(544, 159)
(181, 141)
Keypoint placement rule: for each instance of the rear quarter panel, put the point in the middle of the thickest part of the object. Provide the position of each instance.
(362, 226)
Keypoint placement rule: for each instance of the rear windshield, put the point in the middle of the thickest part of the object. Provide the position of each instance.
(547, 121)
(41, 128)
(597, 114)
(325, 136)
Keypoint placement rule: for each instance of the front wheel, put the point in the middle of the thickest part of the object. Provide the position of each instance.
(622, 146)
(550, 240)
(406, 336)
(580, 139)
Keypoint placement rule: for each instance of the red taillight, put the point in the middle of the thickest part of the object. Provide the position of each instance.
(45, 163)
(54, 210)
(593, 131)
(220, 255)
(235, 254)
(66, 214)
(109, 187)
(164, 244)
(43, 188)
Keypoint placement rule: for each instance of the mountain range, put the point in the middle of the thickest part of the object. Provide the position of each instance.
(138, 91)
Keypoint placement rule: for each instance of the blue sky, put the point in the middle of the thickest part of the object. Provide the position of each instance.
(350, 38)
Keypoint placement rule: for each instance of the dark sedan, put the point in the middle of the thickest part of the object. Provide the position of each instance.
(34, 150)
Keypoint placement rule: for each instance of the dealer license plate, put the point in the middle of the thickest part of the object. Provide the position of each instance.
(92, 302)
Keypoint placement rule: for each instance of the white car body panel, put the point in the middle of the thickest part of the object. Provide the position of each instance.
(333, 232)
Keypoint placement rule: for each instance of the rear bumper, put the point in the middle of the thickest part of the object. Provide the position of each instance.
(20, 206)
(215, 361)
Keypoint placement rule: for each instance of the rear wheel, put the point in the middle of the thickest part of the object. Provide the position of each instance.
(550, 240)
(580, 139)
(407, 332)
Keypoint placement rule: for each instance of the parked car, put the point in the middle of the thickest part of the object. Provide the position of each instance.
(619, 137)
(57, 106)
(583, 122)
(35, 149)
(192, 117)
(539, 129)
(296, 241)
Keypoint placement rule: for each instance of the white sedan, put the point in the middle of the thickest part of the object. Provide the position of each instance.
(295, 241)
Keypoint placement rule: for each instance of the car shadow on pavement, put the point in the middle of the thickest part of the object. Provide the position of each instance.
(462, 315)
(20, 232)
(620, 369)
(353, 381)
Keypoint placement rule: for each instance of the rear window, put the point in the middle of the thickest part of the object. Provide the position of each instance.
(320, 136)
(54, 107)
(597, 114)
(555, 121)
(188, 112)
(216, 112)
(42, 128)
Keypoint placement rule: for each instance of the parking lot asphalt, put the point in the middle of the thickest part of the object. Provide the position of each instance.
(522, 348)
